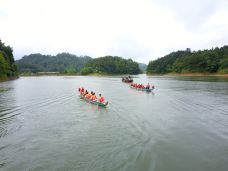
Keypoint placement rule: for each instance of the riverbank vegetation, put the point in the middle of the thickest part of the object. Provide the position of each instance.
(213, 61)
(8, 69)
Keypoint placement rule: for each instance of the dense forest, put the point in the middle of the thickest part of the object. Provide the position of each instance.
(63, 63)
(68, 63)
(214, 60)
(113, 65)
(8, 69)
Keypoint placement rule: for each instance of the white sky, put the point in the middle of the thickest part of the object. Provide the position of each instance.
(139, 29)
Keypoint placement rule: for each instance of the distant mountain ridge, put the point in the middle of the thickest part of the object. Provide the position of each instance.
(113, 65)
(142, 66)
(62, 62)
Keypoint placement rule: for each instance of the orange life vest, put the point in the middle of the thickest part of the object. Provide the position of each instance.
(93, 97)
(88, 96)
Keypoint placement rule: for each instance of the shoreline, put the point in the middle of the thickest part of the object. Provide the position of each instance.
(8, 79)
(59, 74)
(191, 75)
(103, 74)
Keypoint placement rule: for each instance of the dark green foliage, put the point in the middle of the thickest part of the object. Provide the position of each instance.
(165, 64)
(7, 67)
(207, 61)
(63, 63)
(224, 63)
(86, 71)
(114, 65)
(71, 71)
(3, 66)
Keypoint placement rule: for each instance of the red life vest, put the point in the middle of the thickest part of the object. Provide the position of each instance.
(101, 99)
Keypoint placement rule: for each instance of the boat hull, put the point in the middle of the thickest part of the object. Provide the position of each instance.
(93, 102)
(142, 89)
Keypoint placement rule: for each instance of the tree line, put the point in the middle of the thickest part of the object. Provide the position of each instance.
(8, 68)
(62, 63)
(214, 60)
(72, 64)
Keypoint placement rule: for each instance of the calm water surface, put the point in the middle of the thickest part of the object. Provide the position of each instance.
(182, 126)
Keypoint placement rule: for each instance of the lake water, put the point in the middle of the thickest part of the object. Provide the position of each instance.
(181, 126)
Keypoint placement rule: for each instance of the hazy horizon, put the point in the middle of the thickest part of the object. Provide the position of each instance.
(141, 30)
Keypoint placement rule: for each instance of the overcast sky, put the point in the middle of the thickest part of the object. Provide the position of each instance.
(139, 29)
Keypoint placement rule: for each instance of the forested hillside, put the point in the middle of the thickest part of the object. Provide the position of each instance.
(8, 69)
(113, 65)
(202, 61)
(63, 63)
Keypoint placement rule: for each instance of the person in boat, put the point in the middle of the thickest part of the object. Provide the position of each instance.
(82, 90)
(85, 93)
(148, 86)
(94, 97)
(88, 95)
(101, 99)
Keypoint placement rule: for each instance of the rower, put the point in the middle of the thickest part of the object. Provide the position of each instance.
(93, 97)
(89, 95)
(85, 93)
(148, 86)
(82, 90)
(101, 99)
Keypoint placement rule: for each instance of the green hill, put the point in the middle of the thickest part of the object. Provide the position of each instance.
(68, 63)
(8, 69)
(205, 61)
(63, 62)
(113, 65)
